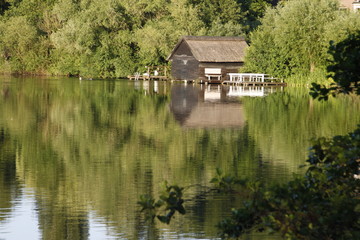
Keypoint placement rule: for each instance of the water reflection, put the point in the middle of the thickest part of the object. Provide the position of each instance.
(212, 106)
(20, 223)
(251, 91)
(226, 93)
(196, 107)
(207, 93)
(88, 150)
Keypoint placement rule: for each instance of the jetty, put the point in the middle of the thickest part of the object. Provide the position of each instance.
(152, 73)
(213, 76)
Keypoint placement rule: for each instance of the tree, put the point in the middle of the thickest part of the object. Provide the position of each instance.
(243, 14)
(343, 69)
(253, 11)
(225, 29)
(18, 45)
(264, 54)
(4, 5)
(288, 47)
(95, 43)
(112, 38)
(324, 203)
(214, 10)
(157, 38)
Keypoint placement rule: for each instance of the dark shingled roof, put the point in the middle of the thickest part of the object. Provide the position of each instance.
(214, 49)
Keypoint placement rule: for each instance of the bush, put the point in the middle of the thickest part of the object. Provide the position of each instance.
(322, 204)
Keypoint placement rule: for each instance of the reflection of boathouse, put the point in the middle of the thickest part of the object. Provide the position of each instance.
(207, 57)
(191, 109)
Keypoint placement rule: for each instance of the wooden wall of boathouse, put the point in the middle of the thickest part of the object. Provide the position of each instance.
(184, 65)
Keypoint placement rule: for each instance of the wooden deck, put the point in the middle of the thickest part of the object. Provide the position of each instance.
(152, 73)
(160, 73)
(147, 78)
(252, 79)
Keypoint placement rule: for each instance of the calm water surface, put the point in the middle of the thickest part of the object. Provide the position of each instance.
(76, 155)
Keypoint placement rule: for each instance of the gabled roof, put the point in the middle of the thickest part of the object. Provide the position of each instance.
(214, 49)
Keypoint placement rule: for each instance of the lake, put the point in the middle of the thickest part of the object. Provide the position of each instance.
(75, 156)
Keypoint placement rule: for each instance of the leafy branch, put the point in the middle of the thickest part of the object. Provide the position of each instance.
(226, 182)
(170, 201)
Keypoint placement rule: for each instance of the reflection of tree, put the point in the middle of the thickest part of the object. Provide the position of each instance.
(99, 145)
(287, 121)
(9, 186)
(61, 222)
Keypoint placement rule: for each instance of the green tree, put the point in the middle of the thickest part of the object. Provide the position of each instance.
(95, 43)
(157, 38)
(143, 11)
(343, 69)
(282, 47)
(214, 10)
(264, 54)
(112, 38)
(253, 11)
(4, 5)
(30, 22)
(18, 45)
(225, 29)
(324, 203)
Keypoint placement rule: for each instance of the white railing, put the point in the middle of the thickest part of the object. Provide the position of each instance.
(247, 77)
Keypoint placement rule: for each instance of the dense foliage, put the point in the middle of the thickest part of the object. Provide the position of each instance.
(294, 38)
(323, 204)
(110, 38)
(99, 145)
(344, 69)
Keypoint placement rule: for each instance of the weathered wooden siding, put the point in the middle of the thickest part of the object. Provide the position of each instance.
(184, 68)
(184, 65)
(184, 49)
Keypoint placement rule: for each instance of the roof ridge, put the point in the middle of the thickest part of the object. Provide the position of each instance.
(214, 38)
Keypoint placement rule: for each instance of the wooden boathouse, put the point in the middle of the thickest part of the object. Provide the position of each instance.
(207, 59)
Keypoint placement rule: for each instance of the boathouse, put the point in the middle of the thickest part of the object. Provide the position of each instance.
(207, 58)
